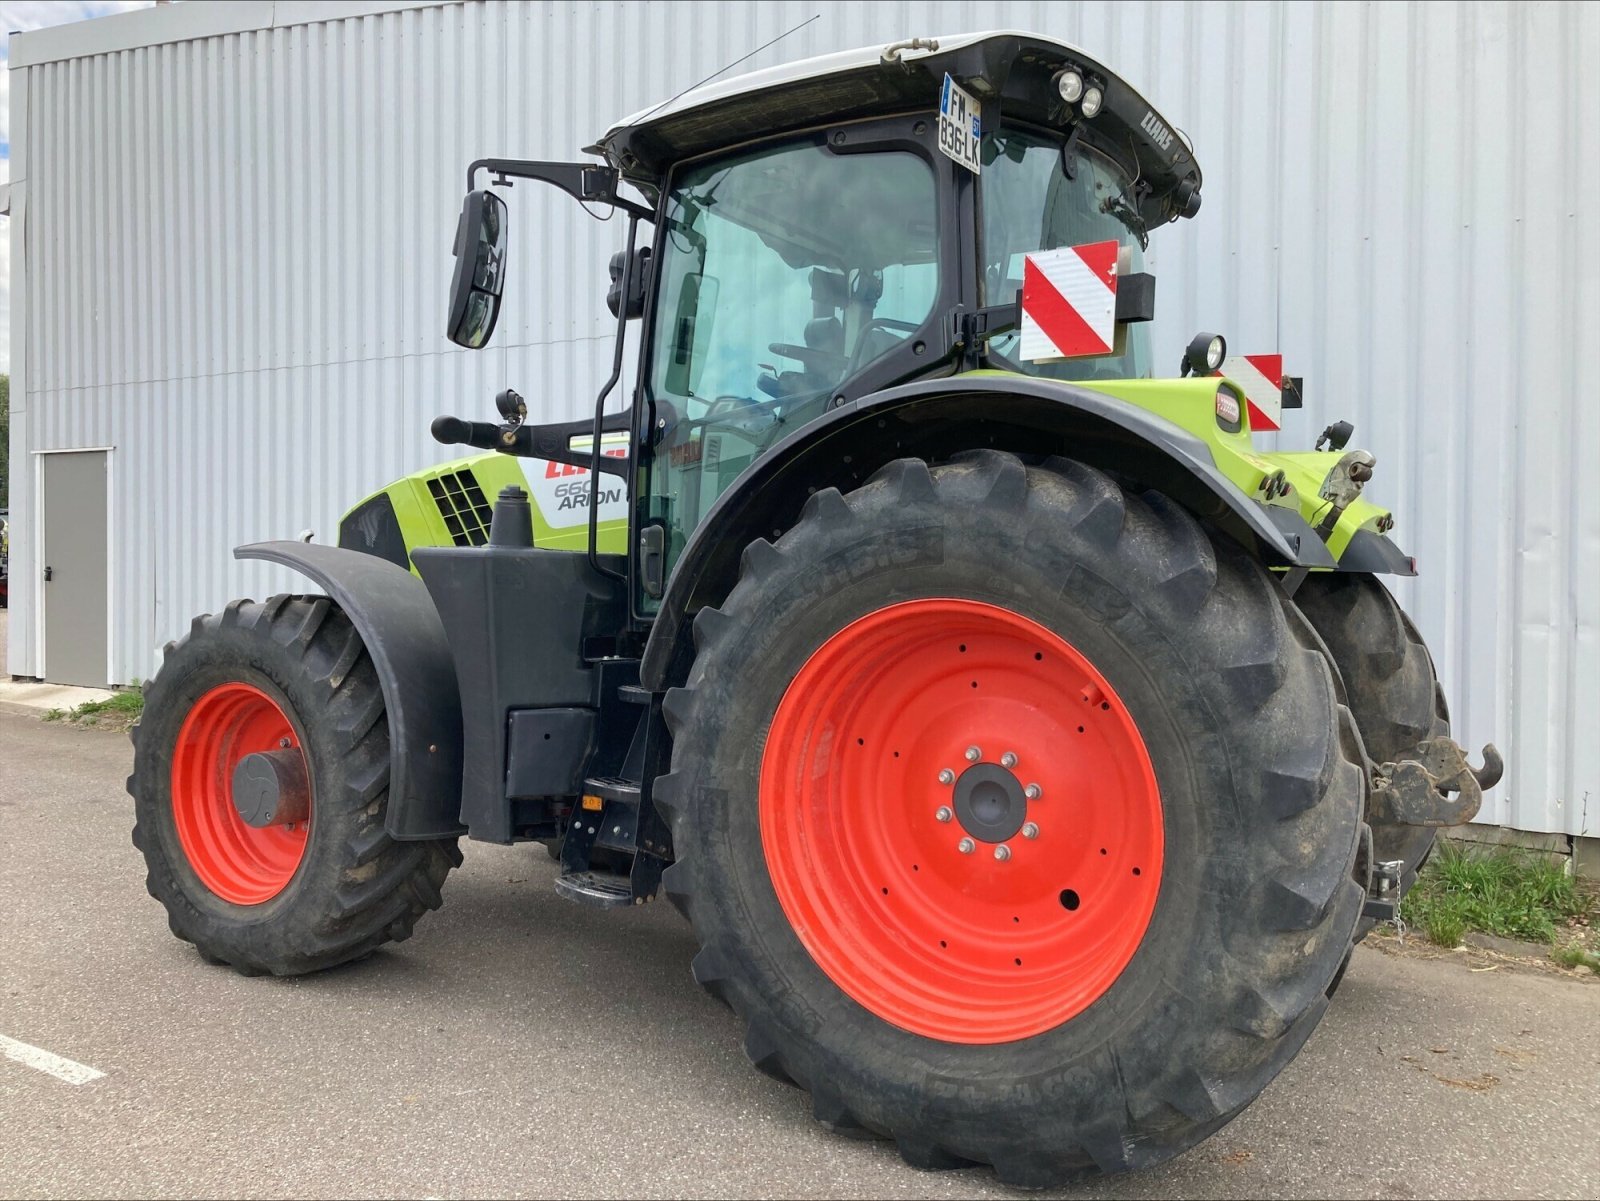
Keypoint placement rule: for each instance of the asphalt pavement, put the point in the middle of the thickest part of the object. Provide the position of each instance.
(521, 1045)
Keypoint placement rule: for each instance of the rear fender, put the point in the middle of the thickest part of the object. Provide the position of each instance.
(397, 621)
(935, 419)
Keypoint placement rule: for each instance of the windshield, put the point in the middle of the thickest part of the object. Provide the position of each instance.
(782, 274)
(1030, 202)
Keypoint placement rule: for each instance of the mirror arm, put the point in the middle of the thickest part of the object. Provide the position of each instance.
(588, 182)
(552, 442)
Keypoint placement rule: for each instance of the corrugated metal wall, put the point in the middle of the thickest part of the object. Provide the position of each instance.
(237, 252)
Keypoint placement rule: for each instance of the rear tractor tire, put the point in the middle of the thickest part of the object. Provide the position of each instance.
(312, 880)
(1014, 817)
(1391, 688)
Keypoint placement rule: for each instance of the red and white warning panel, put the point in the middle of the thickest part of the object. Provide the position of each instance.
(1261, 377)
(1069, 302)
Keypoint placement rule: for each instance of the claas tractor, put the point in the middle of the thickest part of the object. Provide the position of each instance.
(1026, 746)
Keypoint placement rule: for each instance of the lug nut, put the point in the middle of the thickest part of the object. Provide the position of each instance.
(1002, 852)
(1008, 760)
(1031, 792)
(1030, 829)
(946, 776)
(973, 754)
(966, 846)
(943, 814)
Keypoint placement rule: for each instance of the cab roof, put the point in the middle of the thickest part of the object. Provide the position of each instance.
(1011, 73)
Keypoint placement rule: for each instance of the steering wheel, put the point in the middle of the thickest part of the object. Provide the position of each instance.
(822, 361)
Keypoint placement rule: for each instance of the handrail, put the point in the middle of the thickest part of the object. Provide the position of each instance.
(624, 284)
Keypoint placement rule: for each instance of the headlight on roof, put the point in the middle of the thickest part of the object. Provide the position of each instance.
(1070, 84)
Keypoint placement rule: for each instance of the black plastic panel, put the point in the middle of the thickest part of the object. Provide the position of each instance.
(516, 620)
(372, 528)
(548, 751)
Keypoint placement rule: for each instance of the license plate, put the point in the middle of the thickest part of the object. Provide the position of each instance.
(958, 125)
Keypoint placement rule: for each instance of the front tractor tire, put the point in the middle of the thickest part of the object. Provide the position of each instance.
(278, 702)
(1014, 818)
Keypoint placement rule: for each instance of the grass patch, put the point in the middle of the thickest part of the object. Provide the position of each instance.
(1576, 956)
(118, 711)
(1502, 891)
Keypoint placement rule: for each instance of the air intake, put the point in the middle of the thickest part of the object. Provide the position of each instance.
(463, 506)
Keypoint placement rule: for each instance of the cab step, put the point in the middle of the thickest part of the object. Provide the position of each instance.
(603, 890)
(612, 788)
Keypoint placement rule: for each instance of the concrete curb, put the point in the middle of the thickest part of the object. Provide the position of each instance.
(1520, 948)
(35, 700)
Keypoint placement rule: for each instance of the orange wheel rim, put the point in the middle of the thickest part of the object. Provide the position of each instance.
(961, 821)
(239, 862)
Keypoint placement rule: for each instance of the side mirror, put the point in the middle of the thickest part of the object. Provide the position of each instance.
(480, 252)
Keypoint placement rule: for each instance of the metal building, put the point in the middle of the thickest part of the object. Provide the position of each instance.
(230, 234)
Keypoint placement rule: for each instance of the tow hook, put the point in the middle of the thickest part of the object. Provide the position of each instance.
(1433, 785)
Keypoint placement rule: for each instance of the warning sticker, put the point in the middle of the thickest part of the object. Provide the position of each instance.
(1069, 302)
(959, 136)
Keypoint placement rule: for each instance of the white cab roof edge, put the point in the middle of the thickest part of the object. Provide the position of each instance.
(820, 65)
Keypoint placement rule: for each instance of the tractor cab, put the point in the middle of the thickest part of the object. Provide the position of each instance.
(796, 276)
(820, 232)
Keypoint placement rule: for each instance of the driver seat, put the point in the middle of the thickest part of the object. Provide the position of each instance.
(825, 334)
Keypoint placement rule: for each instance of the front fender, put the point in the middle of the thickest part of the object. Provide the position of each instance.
(935, 419)
(397, 621)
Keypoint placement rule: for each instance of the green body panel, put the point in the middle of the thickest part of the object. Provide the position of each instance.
(1306, 469)
(1190, 404)
(422, 522)
(558, 493)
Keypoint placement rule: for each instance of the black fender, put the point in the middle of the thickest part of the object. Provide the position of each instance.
(934, 419)
(396, 618)
(1373, 554)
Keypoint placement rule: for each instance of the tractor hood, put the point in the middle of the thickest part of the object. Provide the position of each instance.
(1009, 72)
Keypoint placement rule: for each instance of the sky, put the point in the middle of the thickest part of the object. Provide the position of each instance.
(18, 16)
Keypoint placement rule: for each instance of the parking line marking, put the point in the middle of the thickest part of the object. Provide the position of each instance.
(45, 1061)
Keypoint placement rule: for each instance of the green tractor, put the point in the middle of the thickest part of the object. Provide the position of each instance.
(1026, 748)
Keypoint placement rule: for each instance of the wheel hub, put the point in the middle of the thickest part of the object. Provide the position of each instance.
(270, 788)
(989, 802)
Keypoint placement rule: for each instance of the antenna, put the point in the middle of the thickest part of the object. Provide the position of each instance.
(729, 67)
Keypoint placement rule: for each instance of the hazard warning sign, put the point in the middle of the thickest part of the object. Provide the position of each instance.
(1069, 302)
(1261, 377)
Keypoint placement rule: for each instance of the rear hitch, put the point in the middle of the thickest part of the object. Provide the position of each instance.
(1384, 886)
(1433, 785)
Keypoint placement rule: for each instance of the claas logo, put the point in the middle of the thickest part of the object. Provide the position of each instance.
(556, 471)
